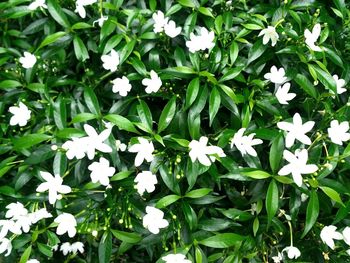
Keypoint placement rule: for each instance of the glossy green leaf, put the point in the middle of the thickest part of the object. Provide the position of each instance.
(167, 115)
(271, 201)
(167, 200)
(312, 212)
(214, 104)
(222, 240)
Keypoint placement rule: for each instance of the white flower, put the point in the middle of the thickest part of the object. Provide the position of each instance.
(9, 225)
(21, 115)
(269, 34)
(276, 76)
(283, 95)
(80, 4)
(311, 38)
(328, 233)
(171, 30)
(340, 84)
(66, 248)
(75, 148)
(278, 258)
(53, 185)
(121, 86)
(346, 235)
(144, 151)
(176, 258)
(199, 150)
(111, 61)
(296, 130)
(100, 21)
(39, 215)
(66, 223)
(205, 40)
(145, 182)
(5, 244)
(15, 210)
(153, 220)
(120, 146)
(37, 3)
(338, 133)
(159, 21)
(100, 171)
(77, 246)
(245, 143)
(95, 141)
(292, 252)
(33, 261)
(28, 60)
(153, 84)
(297, 165)
(24, 223)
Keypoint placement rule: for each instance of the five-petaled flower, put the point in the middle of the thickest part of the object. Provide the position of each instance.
(144, 151)
(21, 115)
(311, 37)
(203, 41)
(340, 84)
(153, 220)
(95, 141)
(338, 132)
(292, 252)
(36, 4)
(269, 33)
(145, 182)
(245, 143)
(171, 29)
(205, 154)
(28, 60)
(297, 165)
(175, 258)
(111, 61)
(66, 223)
(121, 86)
(296, 130)
(153, 84)
(328, 234)
(101, 171)
(53, 185)
(283, 95)
(159, 21)
(276, 76)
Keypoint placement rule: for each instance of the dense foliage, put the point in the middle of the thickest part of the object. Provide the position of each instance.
(202, 130)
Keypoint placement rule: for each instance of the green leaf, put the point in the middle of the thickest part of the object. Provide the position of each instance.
(222, 240)
(258, 174)
(326, 79)
(105, 248)
(138, 65)
(121, 175)
(311, 212)
(256, 51)
(234, 49)
(192, 92)
(198, 193)
(145, 116)
(205, 11)
(256, 225)
(167, 200)
(121, 122)
(306, 85)
(231, 73)
(214, 104)
(84, 116)
(60, 113)
(111, 43)
(131, 238)
(276, 152)
(271, 201)
(167, 114)
(252, 26)
(57, 13)
(29, 140)
(79, 49)
(45, 249)
(92, 101)
(10, 84)
(332, 194)
(51, 39)
(26, 254)
(189, 3)
(81, 25)
(126, 51)
(68, 133)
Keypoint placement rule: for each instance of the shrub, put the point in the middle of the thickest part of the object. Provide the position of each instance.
(174, 131)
